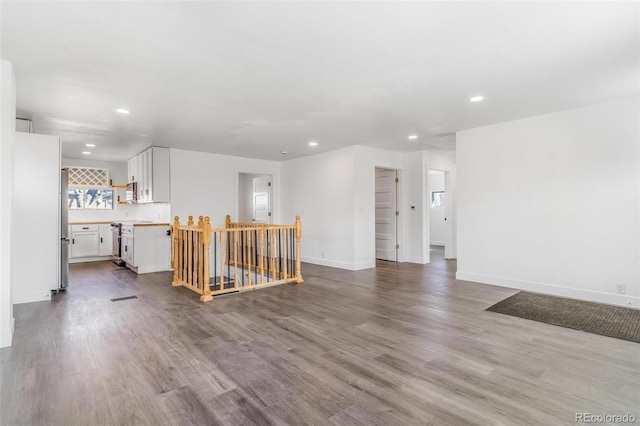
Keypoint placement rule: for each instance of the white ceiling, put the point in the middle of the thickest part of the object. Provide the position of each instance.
(253, 79)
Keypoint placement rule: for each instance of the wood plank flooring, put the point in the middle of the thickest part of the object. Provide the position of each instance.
(397, 345)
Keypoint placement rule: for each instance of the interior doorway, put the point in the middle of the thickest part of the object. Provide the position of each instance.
(386, 215)
(437, 199)
(254, 198)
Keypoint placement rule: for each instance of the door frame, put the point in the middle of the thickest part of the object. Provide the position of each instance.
(272, 192)
(449, 210)
(399, 218)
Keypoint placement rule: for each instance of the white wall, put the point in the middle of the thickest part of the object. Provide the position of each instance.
(35, 260)
(154, 212)
(436, 218)
(7, 131)
(414, 207)
(207, 184)
(118, 174)
(550, 203)
(245, 197)
(445, 161)
(334, 192)
(321, 189)
(366, 161)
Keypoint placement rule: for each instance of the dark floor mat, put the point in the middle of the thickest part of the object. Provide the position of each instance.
(607, 320)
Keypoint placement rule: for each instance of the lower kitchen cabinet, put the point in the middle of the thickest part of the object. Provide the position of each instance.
(146, 248)
(106, 240)
(84, 244)
(90, 241)
(127, 245)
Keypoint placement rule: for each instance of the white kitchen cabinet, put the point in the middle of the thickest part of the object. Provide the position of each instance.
(132, 170)
(106, 240)
(127, 244)
(146, 248)
(85, 241)
(150, 169)
(90, 241)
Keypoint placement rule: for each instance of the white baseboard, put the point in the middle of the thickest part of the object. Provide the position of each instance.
(417, 259)
(151, 268)
(90, 259)
(31, 296)
(553, 289)
(336, 263)
(364, 265)
(6, 337)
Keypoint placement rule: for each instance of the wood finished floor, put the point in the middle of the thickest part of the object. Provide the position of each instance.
(400, 345)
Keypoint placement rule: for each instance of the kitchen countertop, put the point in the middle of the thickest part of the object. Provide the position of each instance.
(103, 222)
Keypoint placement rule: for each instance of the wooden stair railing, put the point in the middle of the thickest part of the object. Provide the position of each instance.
(241, 256)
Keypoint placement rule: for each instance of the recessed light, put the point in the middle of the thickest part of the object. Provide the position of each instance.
(122, 111)
(413, 137)
(283, 152)
(313, 143)
(477, 98)
(90, 145)
(86, 152)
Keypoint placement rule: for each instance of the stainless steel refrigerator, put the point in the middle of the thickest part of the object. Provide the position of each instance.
(64, 229)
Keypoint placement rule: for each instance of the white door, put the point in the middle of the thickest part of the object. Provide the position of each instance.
(386, 235)
(261, 199)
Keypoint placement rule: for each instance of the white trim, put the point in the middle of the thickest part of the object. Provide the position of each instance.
(30, 296)
(417, 259)
(149, 268)
(6, 338)
(337, 263)
(553, 289)
(437, 243)
(90, 259)
(367, 264)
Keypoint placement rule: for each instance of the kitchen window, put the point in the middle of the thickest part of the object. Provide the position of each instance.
(90, 199)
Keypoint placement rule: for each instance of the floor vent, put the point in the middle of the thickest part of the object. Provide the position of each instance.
(124, 298)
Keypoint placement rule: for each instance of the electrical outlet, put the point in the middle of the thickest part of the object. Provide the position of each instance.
(621, 289)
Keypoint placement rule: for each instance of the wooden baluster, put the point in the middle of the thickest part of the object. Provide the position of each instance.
(261, 242)
(182, 257)
(175, 235)
(279, 262)
(246, 249)
(235, 259)
(298, 237)
(274, 255)
(206, 238)
(284, 250)
(222, 257)
(243, 250)
(247, 270)
(189, 274)
(200, 248)
(197, 243)
(227, 221)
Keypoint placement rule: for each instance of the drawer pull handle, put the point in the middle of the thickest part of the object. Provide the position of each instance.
(85, 227)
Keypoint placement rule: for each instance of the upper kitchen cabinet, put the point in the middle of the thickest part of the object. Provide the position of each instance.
(150, 169)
